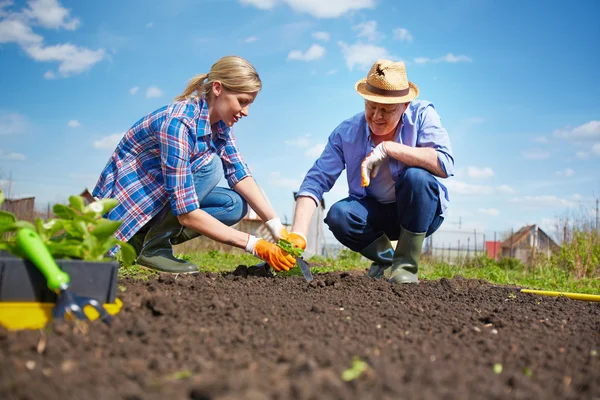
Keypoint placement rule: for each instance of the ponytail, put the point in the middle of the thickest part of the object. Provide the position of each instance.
(196, 85)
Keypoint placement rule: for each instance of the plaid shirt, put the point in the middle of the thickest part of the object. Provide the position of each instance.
(155, 161)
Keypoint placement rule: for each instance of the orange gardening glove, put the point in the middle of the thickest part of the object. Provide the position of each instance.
(273, 255)
(296, 238)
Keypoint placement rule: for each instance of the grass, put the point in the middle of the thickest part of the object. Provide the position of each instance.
(503, 273)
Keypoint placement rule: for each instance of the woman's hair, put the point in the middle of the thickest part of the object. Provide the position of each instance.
(234, 73)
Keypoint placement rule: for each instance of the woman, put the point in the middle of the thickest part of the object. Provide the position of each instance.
(165, 170)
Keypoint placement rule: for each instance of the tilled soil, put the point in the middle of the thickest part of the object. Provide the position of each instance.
(247, 337)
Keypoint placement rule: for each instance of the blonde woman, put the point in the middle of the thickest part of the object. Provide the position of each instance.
(165, 171)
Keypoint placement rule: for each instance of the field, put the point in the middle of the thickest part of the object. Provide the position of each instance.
(236, 333)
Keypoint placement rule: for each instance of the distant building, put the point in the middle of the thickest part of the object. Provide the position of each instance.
(527, 243)
(23, 209)
(87, 196)
(493, 249)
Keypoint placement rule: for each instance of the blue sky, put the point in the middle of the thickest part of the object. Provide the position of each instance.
(516, 84)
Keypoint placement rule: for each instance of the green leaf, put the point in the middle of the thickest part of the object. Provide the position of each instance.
(497, 368)
(126, 254)
(64, 212)
(358, 367)
(290, 248)
(105, 228)
(527, 371)
(7, 218)
(77, 203)
(72, 229)
(101, 207)
(24, 224)
(1, 197)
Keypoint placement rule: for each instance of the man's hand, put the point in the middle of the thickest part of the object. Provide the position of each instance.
(370, 165)
(273, 255)
(275, 227)
(296, 238)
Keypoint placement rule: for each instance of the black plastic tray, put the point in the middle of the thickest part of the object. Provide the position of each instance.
(20, 280)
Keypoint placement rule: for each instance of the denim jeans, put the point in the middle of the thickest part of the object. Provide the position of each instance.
(222, 203)
(356, 223)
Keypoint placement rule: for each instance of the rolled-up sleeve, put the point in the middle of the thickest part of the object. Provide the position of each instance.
(325, 171)
(233, 164)
(174, 142)
(432, 134)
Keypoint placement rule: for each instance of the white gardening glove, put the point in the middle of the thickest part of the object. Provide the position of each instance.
(370, 165)
(275, 227)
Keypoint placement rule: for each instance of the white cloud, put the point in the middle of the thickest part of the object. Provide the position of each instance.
(402, 34)
(313, 53)
(363, 55)
(588, 131)
(150, 25)
(542, 201)
(505, 189)
(324, 36)
(475, 172)
(460, 187)
(331, 71)
(72, 59)
(316, 8)
(13, 30)
(261, 4)
(301, 142)
(488, 211)
(536, 154)
(541, 139)
(275, 179)
(73, 124)
(108, 142)
(566, 173)
(596, 149)
(134, 90)
(315, 151)
(449, 58)
(12, 123)
(368, 30)
(250, 39)
(582, 155)
(16, 28)
(50, 14)
(153, 92)
(11, 156)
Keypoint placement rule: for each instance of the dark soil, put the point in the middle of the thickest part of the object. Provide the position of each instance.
(247, 337)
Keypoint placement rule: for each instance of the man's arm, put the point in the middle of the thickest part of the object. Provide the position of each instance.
(305, 208)
(423, 157)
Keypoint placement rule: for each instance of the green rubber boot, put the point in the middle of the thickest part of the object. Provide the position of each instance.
(185, 235)
(157, 251)
(405, 265)
(381, 253)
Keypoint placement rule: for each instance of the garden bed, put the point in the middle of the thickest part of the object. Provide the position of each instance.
(246, 337)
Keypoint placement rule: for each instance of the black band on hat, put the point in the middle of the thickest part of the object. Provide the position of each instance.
(385, 92)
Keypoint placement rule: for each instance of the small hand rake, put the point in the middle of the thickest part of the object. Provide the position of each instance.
(68, 303)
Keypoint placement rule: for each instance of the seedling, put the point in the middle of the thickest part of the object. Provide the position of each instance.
(356, 370)
(290, 248)
(79, 232)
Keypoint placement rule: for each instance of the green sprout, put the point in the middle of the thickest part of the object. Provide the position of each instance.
(290, 248)
(356, 370)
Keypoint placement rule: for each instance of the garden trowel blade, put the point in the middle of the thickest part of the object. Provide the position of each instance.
(305, 268)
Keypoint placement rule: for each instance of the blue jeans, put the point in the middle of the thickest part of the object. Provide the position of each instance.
(356, 223)
(222, 203)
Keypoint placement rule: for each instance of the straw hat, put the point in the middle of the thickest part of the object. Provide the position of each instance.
(387, 83)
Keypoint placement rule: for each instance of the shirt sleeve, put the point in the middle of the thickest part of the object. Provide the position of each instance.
(432, 134)
(325, 171)
(233, 164)
(174, 143)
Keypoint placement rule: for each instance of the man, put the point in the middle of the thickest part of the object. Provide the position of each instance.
(392, 153)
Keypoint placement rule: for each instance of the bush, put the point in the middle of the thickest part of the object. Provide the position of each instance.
(581, 255)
